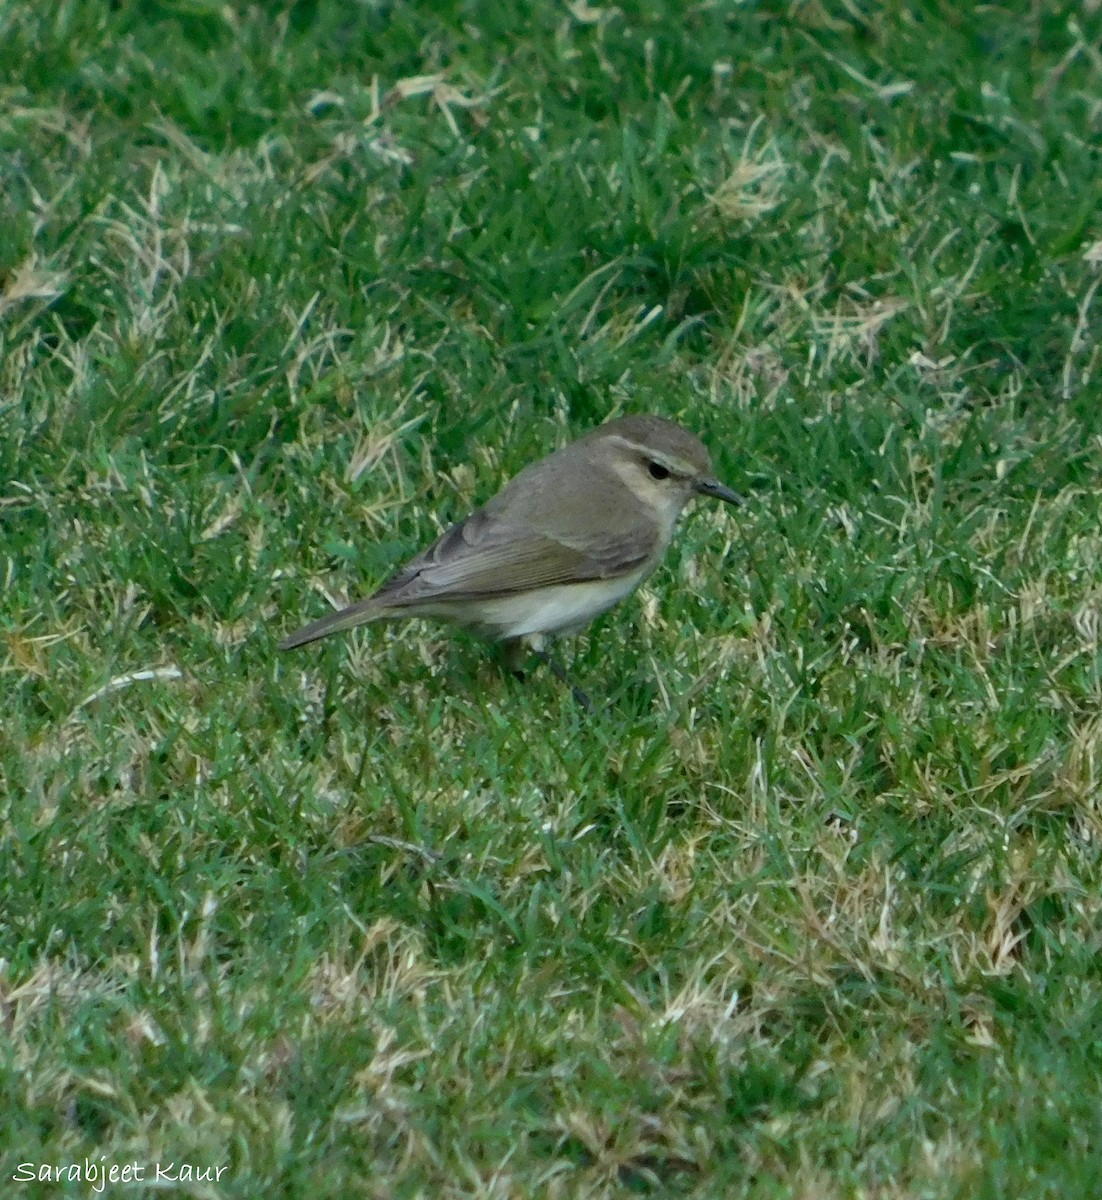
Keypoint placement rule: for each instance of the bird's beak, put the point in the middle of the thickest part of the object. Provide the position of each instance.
(712, 487)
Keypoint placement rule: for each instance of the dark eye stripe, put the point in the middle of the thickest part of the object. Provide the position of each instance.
(658, 471)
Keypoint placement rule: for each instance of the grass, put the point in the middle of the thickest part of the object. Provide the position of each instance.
(811, 907)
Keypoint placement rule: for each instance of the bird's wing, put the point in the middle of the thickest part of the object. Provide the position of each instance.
(510, 547)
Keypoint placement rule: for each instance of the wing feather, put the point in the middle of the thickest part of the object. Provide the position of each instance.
(511, 546)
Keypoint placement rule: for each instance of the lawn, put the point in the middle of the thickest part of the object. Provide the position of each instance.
(811, 904)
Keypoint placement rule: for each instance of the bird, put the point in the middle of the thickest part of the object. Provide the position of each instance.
(567, 538)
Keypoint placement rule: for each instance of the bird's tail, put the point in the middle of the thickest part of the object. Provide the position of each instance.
(345, 618)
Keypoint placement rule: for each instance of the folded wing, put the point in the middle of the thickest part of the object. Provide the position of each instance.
(490, 555)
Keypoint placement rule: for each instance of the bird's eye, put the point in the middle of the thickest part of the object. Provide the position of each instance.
(658, 471)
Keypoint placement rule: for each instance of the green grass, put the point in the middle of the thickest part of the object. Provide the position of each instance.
(811, 907)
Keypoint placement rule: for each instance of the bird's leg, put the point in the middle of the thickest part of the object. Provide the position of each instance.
(556, 669)
(515, 653)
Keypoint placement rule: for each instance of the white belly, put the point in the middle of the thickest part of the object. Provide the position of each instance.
(562, 609)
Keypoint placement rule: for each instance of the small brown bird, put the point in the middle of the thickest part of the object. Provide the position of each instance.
(564, 540)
